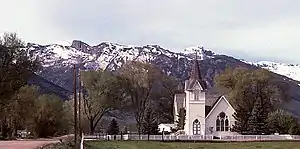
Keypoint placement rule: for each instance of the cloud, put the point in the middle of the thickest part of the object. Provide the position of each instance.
(256, 30)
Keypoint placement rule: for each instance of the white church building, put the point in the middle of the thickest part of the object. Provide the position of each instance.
(205, 115)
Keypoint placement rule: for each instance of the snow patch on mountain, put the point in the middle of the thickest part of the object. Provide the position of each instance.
(110, 55)
(200, 52)
(289, 70)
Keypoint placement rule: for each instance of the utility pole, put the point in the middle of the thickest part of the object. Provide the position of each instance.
(79, 98)
(79, 106)
(75, 108)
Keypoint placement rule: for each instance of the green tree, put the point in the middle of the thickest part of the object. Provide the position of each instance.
(281, 122)
(113, 128)
(141, 82)
(181, 119)
(150, 125)
(258, 119)
(294, 128)
(165, 104)
(103, 93)
(16, 65)
(253, 95)
(49, 118)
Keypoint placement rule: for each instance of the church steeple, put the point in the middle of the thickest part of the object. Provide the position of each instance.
(195, 74)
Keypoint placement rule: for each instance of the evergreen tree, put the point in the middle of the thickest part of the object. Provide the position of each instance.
(181, 119)
(257, 121)
(150, 126)
(113, 128)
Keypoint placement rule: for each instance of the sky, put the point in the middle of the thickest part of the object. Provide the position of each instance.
(250, 29)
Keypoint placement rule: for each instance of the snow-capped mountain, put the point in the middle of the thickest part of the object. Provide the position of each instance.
(58, 61)
(112, 55)
(289, 70)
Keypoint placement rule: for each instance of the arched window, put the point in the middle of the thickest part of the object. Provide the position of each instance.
(226, 125)
(218, 124)
(222, 122)
(196, 127)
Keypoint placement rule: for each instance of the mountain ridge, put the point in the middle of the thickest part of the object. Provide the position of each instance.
(58, 61)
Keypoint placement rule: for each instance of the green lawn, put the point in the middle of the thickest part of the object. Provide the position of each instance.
(178, 145)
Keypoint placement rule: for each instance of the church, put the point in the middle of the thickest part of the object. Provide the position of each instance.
(205, 115)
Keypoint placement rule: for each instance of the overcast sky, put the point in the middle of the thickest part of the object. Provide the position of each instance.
(249, 29)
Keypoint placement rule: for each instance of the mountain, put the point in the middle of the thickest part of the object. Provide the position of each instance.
(289, 70)
(58, 61)
(47, 87)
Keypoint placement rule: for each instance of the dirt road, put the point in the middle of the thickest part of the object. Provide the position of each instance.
(28, 144)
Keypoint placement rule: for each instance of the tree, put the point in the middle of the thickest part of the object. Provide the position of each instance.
(181, 119)
(281, 122)
(165, 104)
(16, 65)
(257, 120)
(150, 125)
(253, 95)
(49, 118)
(113, 128)
(103, 93)
(141, 81)
(294, 128)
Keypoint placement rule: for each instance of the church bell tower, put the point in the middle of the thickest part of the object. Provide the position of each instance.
(195, 90)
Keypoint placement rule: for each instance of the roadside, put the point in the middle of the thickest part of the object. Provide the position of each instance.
(31, 144)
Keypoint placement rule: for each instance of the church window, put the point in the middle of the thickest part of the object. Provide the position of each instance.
(196, 127)
(222, 122)
(218, 124)
(196, 95)
(226, 125)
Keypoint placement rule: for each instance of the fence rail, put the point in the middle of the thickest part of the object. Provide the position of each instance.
(193, 137)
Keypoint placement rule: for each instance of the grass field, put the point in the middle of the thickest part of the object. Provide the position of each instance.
(180, 145)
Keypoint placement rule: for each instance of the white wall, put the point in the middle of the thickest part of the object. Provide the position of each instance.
(222, 106)
(195, 110)
(176, 109)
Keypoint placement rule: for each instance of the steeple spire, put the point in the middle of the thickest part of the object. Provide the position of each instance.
(196, 74)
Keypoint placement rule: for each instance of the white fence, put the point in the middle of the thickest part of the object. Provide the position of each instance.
(194, 137)
(190, 138)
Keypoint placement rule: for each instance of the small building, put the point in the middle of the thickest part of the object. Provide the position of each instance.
(166, 127)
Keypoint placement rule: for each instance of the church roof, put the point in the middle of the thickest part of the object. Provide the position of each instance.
(195, 76)
(215, 104)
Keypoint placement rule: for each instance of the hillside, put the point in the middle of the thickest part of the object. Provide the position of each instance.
(58, 63)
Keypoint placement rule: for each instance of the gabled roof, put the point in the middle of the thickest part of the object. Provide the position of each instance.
(217, 102)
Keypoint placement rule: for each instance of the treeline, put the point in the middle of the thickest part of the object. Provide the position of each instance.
(21, 106)
(139, 88)
(257, 100)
